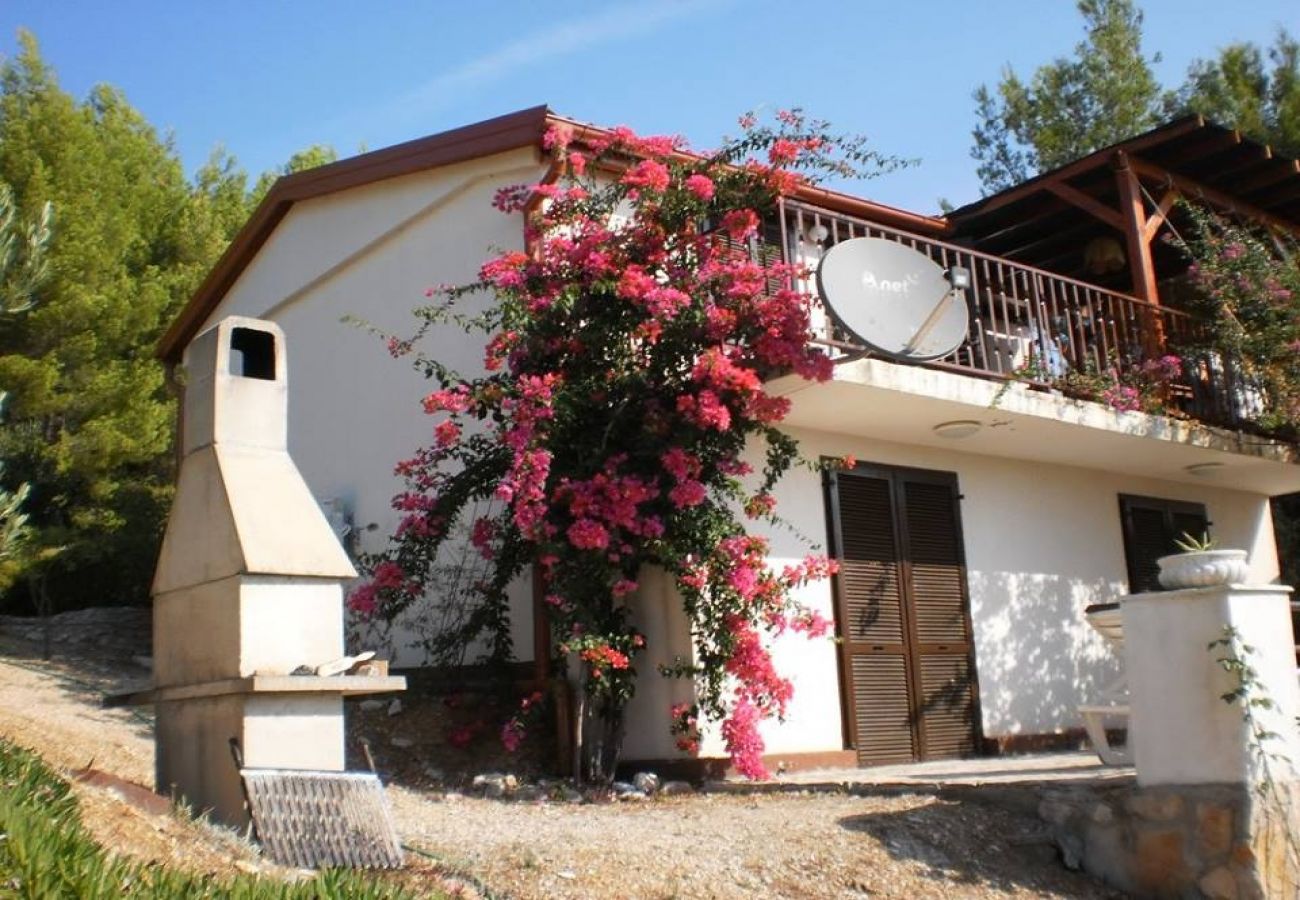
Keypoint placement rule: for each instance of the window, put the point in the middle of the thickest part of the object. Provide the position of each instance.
(1151, 526)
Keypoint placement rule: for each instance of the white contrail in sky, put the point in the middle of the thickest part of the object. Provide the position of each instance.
(554, 41)
(560, 39)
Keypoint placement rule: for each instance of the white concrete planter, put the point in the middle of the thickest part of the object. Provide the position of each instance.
(1203, 568)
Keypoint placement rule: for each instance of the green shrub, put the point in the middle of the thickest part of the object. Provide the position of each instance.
(45, 852)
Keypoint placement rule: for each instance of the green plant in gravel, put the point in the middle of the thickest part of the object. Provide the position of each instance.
(45, 852)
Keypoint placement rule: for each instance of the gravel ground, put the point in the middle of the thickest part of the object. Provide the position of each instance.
(705, 846)
(716, 846)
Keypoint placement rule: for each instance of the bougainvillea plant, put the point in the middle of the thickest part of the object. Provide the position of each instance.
(623, 391)
(1248, 287)
(1142, 386)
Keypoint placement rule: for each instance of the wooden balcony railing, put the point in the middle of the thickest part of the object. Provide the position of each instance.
(1048, 330)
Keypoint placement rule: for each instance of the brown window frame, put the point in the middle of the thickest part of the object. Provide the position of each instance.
(1168, 509)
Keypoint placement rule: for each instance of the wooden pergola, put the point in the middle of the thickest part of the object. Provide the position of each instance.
(1111, 205)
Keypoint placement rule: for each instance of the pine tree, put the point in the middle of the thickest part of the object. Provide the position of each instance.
(1252, 90)
(1104, 93)
(90, 419)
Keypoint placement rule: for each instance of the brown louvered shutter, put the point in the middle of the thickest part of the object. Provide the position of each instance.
(1151, 528)
(871, 620)
(763, 248)
(903, 614)
(941, 644)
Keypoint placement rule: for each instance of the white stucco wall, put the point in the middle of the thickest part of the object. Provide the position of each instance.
(370, 253)
(1042, 542)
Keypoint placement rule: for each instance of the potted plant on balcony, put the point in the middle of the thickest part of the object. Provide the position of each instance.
(1201, 564)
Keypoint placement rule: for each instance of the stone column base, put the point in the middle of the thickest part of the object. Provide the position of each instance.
(1221, 841)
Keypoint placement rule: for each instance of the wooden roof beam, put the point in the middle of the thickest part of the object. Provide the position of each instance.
(1245, 158)
(1090, 205)
(1192, 189)
(1160, 216)
(1216, 142)
(1046, 242)
(1033, 226)
(1280, 171)
(1286, 192)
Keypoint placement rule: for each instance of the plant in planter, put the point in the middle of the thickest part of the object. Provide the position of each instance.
(1201, 564)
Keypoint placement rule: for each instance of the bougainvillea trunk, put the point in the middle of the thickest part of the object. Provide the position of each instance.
(602, 743)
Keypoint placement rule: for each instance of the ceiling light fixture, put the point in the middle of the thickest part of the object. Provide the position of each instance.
(958, 428)
(1202, 470)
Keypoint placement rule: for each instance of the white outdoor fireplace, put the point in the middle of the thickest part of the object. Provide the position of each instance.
(249, 587)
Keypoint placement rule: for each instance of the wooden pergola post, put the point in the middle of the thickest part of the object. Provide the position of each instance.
(1133, 212)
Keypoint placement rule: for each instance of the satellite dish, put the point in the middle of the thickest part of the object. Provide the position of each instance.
(895, 300)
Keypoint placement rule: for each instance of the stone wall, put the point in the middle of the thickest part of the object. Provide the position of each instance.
(1226, 842)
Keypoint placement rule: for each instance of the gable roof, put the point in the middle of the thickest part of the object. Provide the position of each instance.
(512, 131)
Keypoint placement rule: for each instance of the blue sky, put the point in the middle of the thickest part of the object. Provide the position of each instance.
(266, 79)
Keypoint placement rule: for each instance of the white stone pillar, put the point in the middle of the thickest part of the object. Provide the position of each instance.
(1184, 733)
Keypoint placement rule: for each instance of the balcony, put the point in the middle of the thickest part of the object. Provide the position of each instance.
(1042, 329)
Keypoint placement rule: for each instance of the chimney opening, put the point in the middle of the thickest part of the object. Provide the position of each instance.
(252, 353)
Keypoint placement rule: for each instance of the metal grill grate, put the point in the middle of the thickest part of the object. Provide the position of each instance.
(322, 819)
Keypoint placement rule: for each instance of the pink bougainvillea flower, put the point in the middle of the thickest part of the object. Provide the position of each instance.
(740, 223)
(587, 534)
(512, 735)
(783, 152)
(649, 174)
(455, 400)
(760, 505)
(446, 433)
(558, 137)
(701, 186)
(687, 493)
(361, 599)
(706, 410)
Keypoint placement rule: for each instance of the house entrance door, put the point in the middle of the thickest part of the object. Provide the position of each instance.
(903, 614)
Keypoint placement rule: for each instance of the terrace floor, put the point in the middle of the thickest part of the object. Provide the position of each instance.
(1021, 769)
